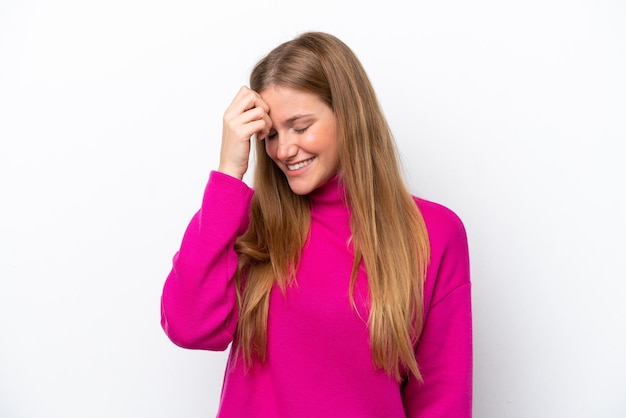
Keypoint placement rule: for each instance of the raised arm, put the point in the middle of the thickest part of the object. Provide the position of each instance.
(198, 305)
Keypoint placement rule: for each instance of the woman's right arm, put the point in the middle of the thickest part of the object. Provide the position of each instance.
(198, 304)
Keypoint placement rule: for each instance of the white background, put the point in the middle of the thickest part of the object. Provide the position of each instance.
(512, 113)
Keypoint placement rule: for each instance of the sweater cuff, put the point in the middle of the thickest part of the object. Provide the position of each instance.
(225, 180)
(228, 196)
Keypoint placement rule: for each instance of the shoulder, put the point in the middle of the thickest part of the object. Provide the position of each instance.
(442, 223)
(449, 267)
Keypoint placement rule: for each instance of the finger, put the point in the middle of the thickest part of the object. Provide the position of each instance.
(246, 99)
(254, 115)
(258, 129)
(263, 133)
(243, 126)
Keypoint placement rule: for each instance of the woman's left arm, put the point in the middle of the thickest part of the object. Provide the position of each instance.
(444, 351)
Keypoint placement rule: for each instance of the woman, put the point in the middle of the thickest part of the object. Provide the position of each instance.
(342, 294)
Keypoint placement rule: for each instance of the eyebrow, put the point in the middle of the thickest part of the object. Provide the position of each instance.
(294, 118)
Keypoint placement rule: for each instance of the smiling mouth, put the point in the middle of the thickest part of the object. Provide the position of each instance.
(300, 165)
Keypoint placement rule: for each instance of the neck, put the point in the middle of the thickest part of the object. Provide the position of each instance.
(330, 198)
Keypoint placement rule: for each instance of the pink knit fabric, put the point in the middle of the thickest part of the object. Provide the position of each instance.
(319, 361)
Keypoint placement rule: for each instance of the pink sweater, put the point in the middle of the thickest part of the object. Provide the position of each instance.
(319, 361)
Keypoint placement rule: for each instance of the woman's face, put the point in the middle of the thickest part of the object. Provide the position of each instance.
(303, 138)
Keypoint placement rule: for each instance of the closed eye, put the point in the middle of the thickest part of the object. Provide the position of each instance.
(274, 134)
(300, 131)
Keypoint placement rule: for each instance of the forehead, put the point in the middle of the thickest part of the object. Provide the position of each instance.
(287, 104)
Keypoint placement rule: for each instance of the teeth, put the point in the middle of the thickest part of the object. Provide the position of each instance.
(299, 165)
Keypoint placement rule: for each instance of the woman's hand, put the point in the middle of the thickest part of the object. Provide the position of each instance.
(247, 115)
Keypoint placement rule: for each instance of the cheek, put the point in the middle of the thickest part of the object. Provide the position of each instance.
(332, 143)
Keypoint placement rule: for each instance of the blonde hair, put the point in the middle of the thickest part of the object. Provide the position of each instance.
(388, 231)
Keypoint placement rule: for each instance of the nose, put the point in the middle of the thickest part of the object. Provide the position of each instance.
(287, 147)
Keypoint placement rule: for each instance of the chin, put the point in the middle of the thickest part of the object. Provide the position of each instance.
(301, 188)
(302, 191)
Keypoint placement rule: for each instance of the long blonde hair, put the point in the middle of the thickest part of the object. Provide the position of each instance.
(388, 231)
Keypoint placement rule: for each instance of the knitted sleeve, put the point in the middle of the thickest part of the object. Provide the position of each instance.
(198, 303)
(444, 351)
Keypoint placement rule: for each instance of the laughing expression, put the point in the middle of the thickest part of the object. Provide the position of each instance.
(303, 138)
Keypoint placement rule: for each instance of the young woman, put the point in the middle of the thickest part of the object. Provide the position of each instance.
(342, 295)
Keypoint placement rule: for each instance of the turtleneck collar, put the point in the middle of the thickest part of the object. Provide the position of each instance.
(330, 198)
